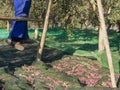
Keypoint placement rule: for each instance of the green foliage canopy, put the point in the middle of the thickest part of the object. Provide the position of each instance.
(69, 13)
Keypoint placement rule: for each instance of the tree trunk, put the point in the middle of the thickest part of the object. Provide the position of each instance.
(39, 54)
(8, 26)
(106, 42)
(101, 45)
(36, 33)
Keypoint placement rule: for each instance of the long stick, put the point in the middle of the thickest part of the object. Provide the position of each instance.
(19, 19)
(106, 42)
(44, 31)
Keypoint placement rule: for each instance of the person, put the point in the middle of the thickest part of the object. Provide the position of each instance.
(19, 31)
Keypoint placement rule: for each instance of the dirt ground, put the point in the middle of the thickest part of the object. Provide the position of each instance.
(57, 71)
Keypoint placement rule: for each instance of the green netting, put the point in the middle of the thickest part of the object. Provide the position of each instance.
(85, 43)
(50, 32)
(102, 58)
(3, 33)
(80, 42)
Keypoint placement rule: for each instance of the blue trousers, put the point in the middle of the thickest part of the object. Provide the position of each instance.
(19, 30)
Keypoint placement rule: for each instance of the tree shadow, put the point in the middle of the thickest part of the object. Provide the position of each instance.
(11, 58)
(90, 37)
(88, 47)
(51, 54)
(84, 35)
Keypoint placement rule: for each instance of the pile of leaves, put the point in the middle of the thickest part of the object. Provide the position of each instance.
(89, 72)
(68, 72)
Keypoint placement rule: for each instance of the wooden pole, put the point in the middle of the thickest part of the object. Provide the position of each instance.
(101, 45)
(106, 42)
(44, 32)
(19, 19)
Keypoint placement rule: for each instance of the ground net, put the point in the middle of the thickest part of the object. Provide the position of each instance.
(79, 42)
